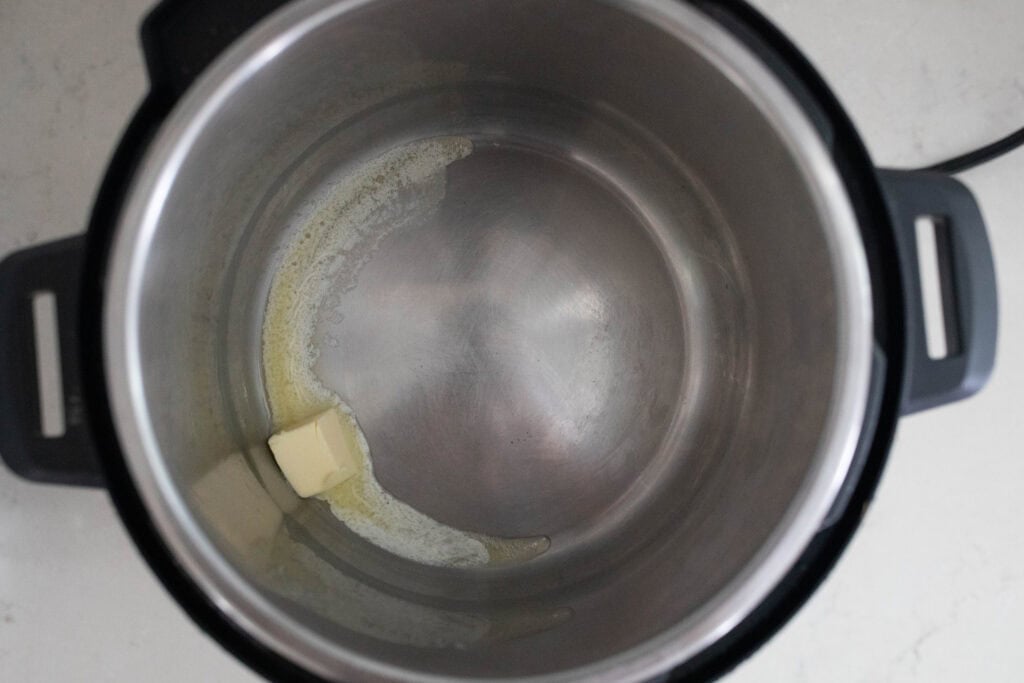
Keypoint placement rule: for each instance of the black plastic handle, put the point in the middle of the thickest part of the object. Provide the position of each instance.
(180, 38)
(968, 287)
(69, 458)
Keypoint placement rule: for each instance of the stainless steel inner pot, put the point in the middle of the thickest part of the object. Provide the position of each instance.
(635, 319)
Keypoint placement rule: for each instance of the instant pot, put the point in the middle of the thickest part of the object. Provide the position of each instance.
(661, 309)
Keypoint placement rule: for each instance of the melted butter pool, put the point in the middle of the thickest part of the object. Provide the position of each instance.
(336, 237)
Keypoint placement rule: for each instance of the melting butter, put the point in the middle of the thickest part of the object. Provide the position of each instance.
(336, 238)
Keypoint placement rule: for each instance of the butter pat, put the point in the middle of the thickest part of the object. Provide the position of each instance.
(317, 454)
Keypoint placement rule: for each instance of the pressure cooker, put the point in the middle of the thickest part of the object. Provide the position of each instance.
(642, 293)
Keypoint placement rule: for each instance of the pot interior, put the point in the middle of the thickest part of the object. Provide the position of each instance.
(614, 322)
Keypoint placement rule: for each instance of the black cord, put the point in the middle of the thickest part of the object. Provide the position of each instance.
(979, 156)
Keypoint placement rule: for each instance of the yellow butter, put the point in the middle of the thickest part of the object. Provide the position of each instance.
(318, 454)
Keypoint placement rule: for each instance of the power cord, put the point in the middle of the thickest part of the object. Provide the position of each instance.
(964, 162)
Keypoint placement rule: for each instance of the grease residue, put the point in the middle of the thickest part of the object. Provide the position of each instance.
(334, 240)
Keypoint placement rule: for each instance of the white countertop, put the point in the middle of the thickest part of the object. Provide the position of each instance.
(932, 588)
